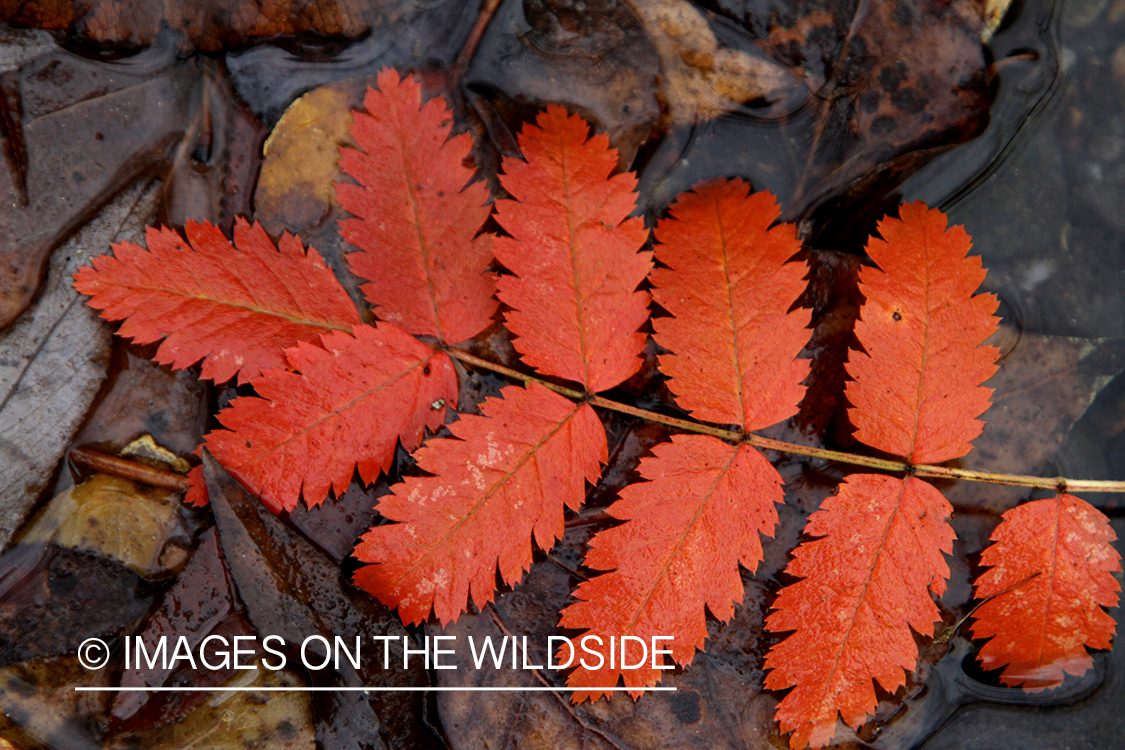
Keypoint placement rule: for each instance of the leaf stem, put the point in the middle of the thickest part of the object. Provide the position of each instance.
(932, 471)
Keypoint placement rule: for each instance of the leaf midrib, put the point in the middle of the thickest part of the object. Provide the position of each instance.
(346, 328)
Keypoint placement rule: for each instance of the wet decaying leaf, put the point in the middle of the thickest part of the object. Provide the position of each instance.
(210, 25)
(335, 525)
(138, 526)
(889, 78)
(594, 57)
(39, 707)
(79, 131)
(215, 165)
(144, 398)
(1044, 385)
(888, 83)
(277, 720)
(52, 598)
(293, 590)
(299, 159)
(200, 603)
(701, 77)
(53, 361)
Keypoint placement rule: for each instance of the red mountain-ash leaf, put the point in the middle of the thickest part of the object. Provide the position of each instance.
(1050, 574)
(917, 390)
(728, 287)
(574, 254)
(417, 215)
(734, 360)
(688, 529)
(867, 582)
(346, 406)
(916, 393)
(237, 307)
(502, 482)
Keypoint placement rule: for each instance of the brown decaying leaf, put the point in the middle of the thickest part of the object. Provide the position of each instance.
(85, 131)
(702, 78)
(53, 362)
(887, 79)
(210, 25)
(138, 526)
(293, 590)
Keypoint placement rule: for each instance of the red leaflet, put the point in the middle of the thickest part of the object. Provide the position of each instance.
(917, 392)
(347, 406)
(417, 215)
(733, 360)
(688, 529)
(235, 307)
(503, 482)
(729, 287)
(574, 254)
(1050, 573)
(866, 584)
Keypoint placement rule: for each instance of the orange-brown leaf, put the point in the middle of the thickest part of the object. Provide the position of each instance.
(916, 392)
(689, 527)
(501, 483)
(417, 215)
(867, 582)
(729, 289)
(345, 407)
(237, 307)
(574, 253)
(1050, 574)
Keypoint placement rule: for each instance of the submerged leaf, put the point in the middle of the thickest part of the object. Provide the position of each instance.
(1050, 573)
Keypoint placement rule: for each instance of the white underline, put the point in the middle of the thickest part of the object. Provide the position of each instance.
(251, 688)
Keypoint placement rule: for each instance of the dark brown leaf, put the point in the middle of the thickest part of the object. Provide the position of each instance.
(293, 590)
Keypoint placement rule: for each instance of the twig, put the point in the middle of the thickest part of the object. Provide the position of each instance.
(123, 467)
(1059, 484)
